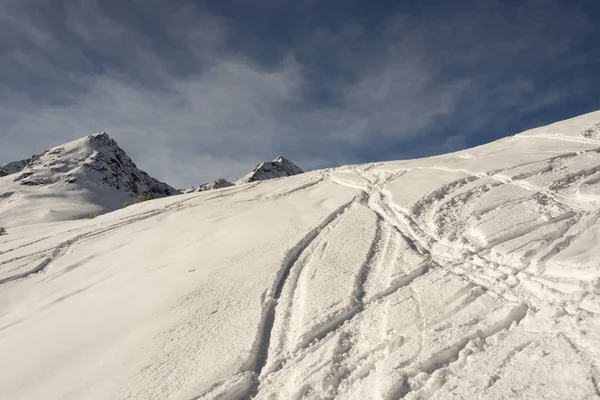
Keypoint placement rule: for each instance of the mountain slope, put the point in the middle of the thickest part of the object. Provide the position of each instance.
(468, 275)
(89, 175)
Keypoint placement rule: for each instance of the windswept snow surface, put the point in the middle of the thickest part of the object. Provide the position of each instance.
(470, 275)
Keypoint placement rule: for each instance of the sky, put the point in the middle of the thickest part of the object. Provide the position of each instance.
(196, 90)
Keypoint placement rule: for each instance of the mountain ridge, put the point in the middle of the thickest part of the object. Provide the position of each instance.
(93, 175)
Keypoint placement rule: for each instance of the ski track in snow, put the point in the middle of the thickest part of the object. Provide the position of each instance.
(422, 240)
(93, 232)
(448, 288)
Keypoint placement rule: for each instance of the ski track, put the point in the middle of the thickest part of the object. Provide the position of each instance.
(290, 259)
(421, 227)
(332, 326)
(92, 232)
(410, 229)
(426, 239)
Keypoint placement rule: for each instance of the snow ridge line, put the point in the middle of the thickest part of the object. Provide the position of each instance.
(261, 346)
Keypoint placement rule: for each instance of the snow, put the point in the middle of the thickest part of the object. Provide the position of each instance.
(469, 275)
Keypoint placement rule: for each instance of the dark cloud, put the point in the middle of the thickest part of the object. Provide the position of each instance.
(196, 90)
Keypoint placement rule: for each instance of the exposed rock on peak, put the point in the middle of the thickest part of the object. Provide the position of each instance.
(13, 167)
(93, 161)
(278, 168)
(216, 184)
(86, 176)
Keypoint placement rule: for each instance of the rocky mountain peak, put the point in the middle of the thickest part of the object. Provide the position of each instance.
(216, 184)
(94, 161)
(278, 168)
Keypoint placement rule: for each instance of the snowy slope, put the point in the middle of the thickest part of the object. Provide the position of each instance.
(278, 168)
(469, 275)
(87, 176)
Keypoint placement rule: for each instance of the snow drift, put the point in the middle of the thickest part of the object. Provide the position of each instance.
(468, 275)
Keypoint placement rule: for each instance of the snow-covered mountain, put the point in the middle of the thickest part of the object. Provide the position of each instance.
(278, 168)
(13, 167)
(468, 275)
(86, 176)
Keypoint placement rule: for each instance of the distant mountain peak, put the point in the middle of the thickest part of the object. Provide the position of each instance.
(278, 168)
(89, 174)
(216, 184)
(93, 161)
(13, 167)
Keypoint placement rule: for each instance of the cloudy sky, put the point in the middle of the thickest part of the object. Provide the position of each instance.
(195, 90)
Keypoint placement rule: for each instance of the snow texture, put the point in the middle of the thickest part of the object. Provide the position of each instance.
(469, 275)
